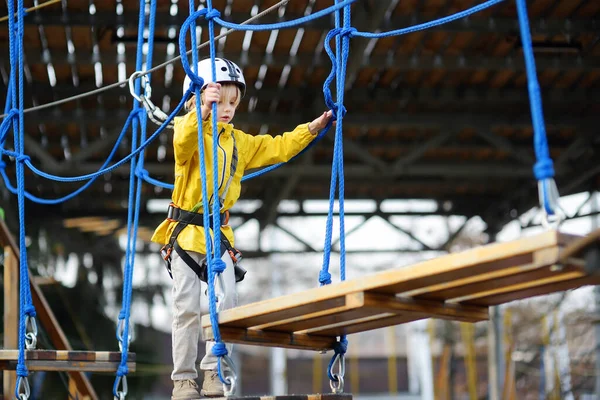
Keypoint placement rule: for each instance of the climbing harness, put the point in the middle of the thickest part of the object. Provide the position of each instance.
(184, 219)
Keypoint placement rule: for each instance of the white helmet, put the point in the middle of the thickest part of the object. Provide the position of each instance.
(227, 71)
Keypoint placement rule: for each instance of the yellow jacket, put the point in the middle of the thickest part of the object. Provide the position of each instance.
(253, 152)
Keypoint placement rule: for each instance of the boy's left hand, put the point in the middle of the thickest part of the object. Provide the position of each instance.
(321, 122)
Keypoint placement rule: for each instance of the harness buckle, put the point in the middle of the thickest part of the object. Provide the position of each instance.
(171, 217)
(165, 253)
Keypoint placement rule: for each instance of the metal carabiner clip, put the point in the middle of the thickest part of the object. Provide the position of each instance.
(337, 383)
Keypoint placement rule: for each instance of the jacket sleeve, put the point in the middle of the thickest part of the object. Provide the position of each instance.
(185, 136)
(263, 150)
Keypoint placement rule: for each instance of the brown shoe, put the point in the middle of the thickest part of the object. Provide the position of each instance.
(212, 385)
(185, 389)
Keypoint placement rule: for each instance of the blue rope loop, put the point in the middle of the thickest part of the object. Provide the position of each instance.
(22, 371)
(122, 370)
(543, 169)
(22, 158)
(324, 277)
(195, 79)
(212, 14)
(11, 116)
(218, 266)
(29, 310)
(340, 348)
(2, 165)
(219, 349)
(284, 24)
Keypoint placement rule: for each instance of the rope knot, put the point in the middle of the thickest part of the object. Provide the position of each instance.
(335, 109)
(341, 347)
(122, 314)
(23, 158)
(324, 278)
(543, 169)
(22, 370)
(29, 310)
(12, 113)
(142, 173)
(219, 349)
(349, 32)
(122, 370)
(219, 266)
(212, 14)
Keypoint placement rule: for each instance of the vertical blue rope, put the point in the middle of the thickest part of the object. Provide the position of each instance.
(339, 62)
(216, 265)
(544, 167)
(26, 308)
(135, 191)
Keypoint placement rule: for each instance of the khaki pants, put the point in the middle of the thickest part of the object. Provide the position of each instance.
(187, 293)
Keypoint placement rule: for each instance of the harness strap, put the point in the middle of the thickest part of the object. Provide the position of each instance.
(185, 218)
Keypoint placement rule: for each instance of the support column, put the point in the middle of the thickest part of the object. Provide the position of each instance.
(495, 354)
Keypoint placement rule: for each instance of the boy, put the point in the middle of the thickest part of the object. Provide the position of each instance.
(183, 231)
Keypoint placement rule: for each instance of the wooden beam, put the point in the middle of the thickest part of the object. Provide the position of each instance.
(445, 287)
(57, 360)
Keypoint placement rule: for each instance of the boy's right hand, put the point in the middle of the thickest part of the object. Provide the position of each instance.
(212, 94)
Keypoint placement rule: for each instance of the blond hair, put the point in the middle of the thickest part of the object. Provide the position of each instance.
(229, 91)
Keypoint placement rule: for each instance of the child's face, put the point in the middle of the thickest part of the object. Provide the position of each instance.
(230, 99)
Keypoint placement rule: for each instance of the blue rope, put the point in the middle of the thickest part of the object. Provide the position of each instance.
(544, 167)
(429, 24)
(135, 192)
(285, 24)
(120, 162)
(26, 308)
(215, 264)
(342, 36)
(59, 200)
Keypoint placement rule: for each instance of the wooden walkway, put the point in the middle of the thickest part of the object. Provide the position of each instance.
(62, 360)
(459, 286)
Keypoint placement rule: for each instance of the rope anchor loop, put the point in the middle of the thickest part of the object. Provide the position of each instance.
(552, 214)
(120, 394)
(227, 367)
(120, 332)
(337, 383)
(23, 390)
(32, 332)
(155, 114)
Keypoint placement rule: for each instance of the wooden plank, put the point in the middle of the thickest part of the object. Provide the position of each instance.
(522, 286)
(47, 319)
(390, 320)
(67, 366)
(331, 396)
(484, 259)
(445, 290)
(62, 355)
(273, 339)
(352, 302)
(11, 315)
(560, 286)
(284, 310)
(455, 312)
(542, 268)
(56, 360)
